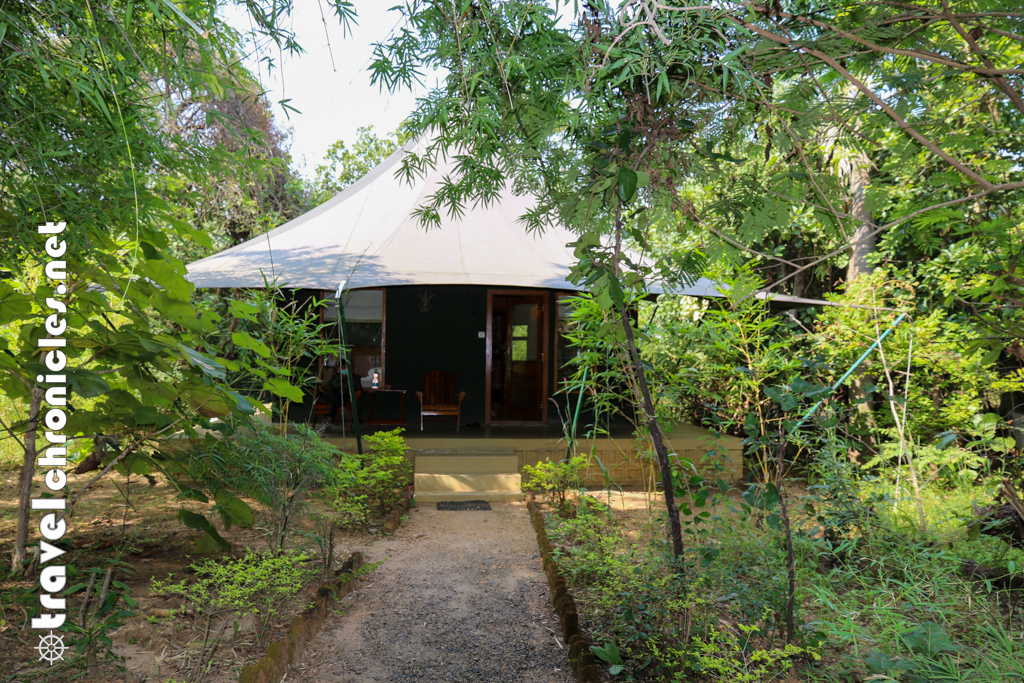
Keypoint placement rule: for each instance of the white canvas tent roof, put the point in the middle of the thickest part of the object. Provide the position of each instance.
(367, 236)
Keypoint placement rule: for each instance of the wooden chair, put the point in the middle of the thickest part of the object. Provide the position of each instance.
(439, 398)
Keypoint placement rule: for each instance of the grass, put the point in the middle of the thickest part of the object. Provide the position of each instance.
(11, 454)
(892, 605)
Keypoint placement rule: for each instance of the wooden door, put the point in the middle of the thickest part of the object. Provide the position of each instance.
(517, 367)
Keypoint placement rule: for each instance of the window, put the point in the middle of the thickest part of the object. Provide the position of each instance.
(365, 327)
(524, 332)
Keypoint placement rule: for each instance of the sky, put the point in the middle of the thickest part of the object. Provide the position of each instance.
(336, 101)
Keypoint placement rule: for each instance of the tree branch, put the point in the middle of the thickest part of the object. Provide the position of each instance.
(953, 202)
(999, 82)
(924, 55)
(856, 82)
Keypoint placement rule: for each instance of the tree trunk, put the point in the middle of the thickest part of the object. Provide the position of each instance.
(780, 469)
(857, 172)
(25, 482)
(674, 526)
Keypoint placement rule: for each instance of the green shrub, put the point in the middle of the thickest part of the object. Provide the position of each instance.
(386, 469)
(724, 656)
(371, 484)
(94, 627)
(278, 472)
(586, 549)
(559, 481)
(258, 584)
(949, 467)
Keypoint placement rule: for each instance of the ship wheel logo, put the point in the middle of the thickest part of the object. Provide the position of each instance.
(51, 648)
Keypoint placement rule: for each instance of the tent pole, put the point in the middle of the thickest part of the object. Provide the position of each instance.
(349, 370)
(849, 372)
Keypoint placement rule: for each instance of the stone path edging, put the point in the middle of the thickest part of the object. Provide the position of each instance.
(394, 518)
(581, 658)
(282, 654)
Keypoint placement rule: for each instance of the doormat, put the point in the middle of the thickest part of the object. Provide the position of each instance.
(463, 505)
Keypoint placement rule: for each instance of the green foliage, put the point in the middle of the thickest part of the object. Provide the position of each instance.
(258, 584)
(102, 615)
(11, 452)
(926, 621)
(278, 472)
(343, 166)
(723, 366)
(835, 500)
(600, 359)
(610, 655)
(723, 656)
(949, 467)
(757, 124)
(97, 113)
(275, 470)
(560, 481)
(271, 345)
(941, 628)
(371, 484)
(322, 536)
(588, 542)
(950, 381)
(641, 602)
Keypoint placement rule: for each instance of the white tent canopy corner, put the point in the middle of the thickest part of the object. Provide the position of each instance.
(368, 236)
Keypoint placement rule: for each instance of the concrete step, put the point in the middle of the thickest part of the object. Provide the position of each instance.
(490, 476)
(477, 462)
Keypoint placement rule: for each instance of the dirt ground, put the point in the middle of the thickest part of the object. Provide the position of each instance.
(146, 535)
(458, 596)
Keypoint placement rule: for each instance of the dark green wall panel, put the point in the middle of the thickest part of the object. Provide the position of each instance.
(435, 328)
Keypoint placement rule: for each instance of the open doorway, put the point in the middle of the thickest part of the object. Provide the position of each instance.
(517, 339)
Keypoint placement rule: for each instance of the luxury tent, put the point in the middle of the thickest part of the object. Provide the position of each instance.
(479, 296)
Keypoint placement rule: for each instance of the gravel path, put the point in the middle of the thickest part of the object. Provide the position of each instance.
(460, 597)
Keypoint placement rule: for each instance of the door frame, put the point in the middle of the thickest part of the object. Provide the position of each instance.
(545, 353)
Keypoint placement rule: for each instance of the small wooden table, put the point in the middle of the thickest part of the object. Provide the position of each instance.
(377, 422)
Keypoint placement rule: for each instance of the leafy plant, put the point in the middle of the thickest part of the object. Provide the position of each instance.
(278, 472)
(559, 481)
(100, 615)
(139, 366)
(723, 656)
(322, 537)
(949, 467)
(371, 484)
(258, 584)
(271, 344)
(610, 654)
(950, 379)
(275, 470)
(386, 469)
(343, 166)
